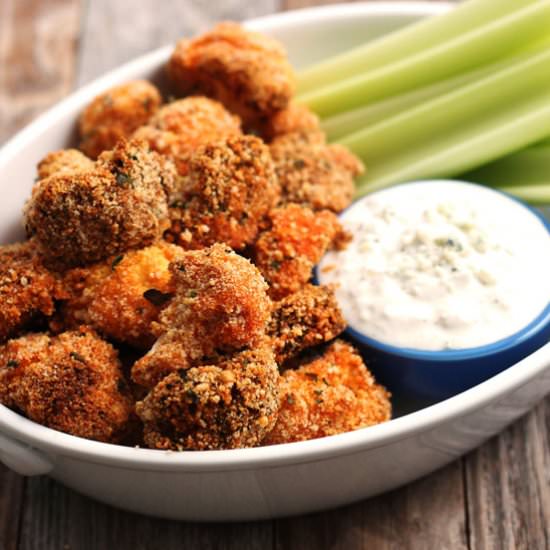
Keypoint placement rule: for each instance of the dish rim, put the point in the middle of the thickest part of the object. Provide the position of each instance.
(57, 443)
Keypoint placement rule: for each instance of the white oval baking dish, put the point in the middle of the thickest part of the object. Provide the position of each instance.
(271, 481)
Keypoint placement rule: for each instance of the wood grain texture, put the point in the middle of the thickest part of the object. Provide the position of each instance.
(425, 515)
(11, 500)
(508, 486)
(37, 50)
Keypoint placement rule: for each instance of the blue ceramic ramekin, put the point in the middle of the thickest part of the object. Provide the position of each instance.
(435, 375)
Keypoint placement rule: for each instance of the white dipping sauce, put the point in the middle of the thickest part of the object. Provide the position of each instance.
(439, 265)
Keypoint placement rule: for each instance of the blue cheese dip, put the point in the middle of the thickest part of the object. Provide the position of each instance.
(440, 265)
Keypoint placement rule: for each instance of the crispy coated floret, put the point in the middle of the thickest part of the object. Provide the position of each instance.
(72, 382)
(295, 118)
(121, 296)
(304, 319)
(66, 161)
(27, 288)
(333, 394)
(115, 114)
(249, 73)
(220, 306)
(297, 239)
(230, 405)
(83, 217)
(232, 186)
(180, 127)
(313, 173)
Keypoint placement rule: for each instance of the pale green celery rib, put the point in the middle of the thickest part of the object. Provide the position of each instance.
(521, 78)
(350, 122)
(408, 41)
(530, 166)
(461, 130)
(534, 194)
(480, 46)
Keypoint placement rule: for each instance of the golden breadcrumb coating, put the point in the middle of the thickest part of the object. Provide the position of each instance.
(220, 306)
(232, 186)
(286, 252)
(83, 217)
(313, 173)
(180, 127)
(27, 288)
(115, 114)
(122, 296)
(227, 406)
(333, 394)
(295, 118)
(72, 382)
(304, 319)
(66, 161)
(249, 73)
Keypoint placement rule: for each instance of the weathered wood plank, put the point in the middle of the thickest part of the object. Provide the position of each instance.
(58, 518)
(508, 486)
(428, 514)
(37, 49)
(11, 498)
(115, 32)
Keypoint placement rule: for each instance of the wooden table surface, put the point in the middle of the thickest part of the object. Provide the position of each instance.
(497, 497)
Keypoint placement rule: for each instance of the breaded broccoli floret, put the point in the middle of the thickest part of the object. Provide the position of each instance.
(72, 382)
(180, 127)
(115, 114)
(220, 306)
(313, 173)
(83, 217)
(227, 406)
(122, 296)
(295, 118)
(249, 73)
(232, 186)
(27, 288)
(332, 394)
(294, 242)
(66, 161)
(304, 319)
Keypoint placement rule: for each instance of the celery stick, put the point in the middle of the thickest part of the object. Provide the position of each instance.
(482, 45)
(413, 39)
(529, 166)
(534, 194)
(494, 95)
(462, 151)
(349, 122)
(461, 130)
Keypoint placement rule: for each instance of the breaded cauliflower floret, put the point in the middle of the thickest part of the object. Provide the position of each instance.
(304, 319)
(182, 126)
(227, 406)
(249, 73)
(72, 382)
(27, 288)
(333, 394)
(296, 240)
(295, 118)
(83, 217)
(122, 296)
(232, 186)
(115, 114)
(220, 306)
(313, 173)
(64, 161)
